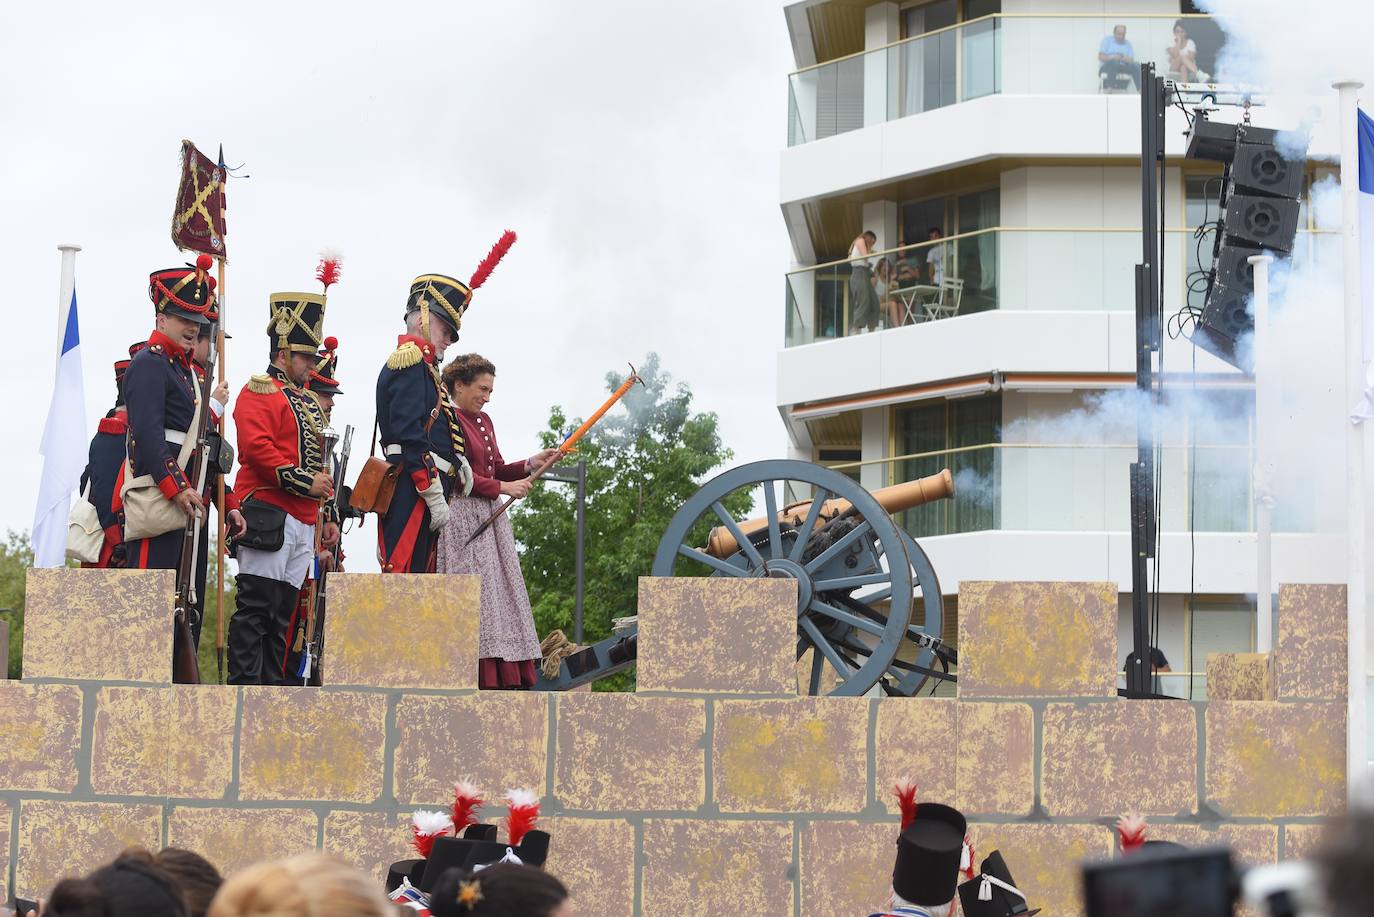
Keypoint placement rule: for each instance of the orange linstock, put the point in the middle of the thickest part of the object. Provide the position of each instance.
(894, 499)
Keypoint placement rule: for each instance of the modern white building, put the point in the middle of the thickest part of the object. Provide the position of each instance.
(1005, 350)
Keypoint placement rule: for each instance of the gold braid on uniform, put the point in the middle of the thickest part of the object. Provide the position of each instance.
(455, 431)
(261, 384)
(405, 356)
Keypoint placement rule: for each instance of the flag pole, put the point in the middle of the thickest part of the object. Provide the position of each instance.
(62, 454)
(1262, 474)
(1357, 727)
(223, 427)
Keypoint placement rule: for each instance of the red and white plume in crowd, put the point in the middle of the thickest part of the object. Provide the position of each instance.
(328, 271)
(522, 814)
(426, 826)
(966, 858)
(905, 788)
(493, 258)
(1131, 829)
(467, 799)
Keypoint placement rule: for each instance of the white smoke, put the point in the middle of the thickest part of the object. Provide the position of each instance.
(1292, 50)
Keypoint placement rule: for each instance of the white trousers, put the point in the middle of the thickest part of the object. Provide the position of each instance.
(290, 563)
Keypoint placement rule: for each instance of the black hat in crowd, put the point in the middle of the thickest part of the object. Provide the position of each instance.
(468, 853)
(414, 870)
(187, 292)
(993, 893)
(324, 376)
(928, 855)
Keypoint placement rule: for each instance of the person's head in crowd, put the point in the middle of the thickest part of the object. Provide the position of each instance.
(504, 890)
(1346, 860)
(198, 878)
(1119, 33)
(935, 232)
(131, 886)
(470, 379)
(309, 885)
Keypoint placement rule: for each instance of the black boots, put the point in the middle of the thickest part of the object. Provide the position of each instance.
(257, 631)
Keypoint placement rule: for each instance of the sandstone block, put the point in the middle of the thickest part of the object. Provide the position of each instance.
(1310, 656)
(1037, 639)
(371, 841)
(1251, 845)
(717, 634)
(1239, 676)
(995, 763)
(307, 743)
(803, 754)
(1045, 859)
(403, 630)
(595, 859)
(58, 839)
(846, 867)
(235, 838)
(619, 751)
(126, 624)
(175, 741)
(40, 734)
(1275, 760)
(497, 739)
(915, 738)
(1301, 841)
(710, 868)
(1107, 758)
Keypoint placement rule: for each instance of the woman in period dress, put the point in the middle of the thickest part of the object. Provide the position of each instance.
(509, 648)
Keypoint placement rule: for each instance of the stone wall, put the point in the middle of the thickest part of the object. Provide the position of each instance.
(712, 787)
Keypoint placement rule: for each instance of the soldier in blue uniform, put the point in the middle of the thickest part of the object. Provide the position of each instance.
(104, 465)
(164, 403)
(419, 428)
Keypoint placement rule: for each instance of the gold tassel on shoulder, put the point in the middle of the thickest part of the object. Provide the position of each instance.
(261, 384)
(405, 356)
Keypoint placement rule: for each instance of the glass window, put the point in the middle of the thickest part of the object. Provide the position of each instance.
(927, 67)
(939, 426)
(1217, 627)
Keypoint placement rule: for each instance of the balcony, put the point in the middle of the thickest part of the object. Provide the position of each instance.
(1002, 268)
(1002, 53)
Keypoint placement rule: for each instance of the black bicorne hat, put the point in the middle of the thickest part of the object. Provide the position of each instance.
(451, 850)
(297, 322)
(187, 292)
(324, 377)
(989, 894)
(532, 851)
(928, 854)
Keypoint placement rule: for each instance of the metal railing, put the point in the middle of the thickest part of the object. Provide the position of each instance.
(1010, 268)
(1075, 487)
(1000, 53)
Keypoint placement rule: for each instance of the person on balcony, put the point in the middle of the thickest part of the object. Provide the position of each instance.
(1183, 57)
(1116, 58)
(935, 258)
(863, 298)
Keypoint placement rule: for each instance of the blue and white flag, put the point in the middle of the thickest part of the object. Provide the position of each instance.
(1364, 140)
(64, 449)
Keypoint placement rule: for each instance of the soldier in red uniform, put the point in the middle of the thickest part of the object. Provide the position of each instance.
(284, 488)
(164, 404)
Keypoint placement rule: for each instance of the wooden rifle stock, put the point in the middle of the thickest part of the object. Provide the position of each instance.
(185, 663)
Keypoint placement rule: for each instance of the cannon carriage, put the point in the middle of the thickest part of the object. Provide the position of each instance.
(860, 576)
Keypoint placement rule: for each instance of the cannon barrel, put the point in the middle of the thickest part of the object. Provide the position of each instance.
(894, 499)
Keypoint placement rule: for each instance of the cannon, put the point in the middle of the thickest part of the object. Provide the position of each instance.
(859, 575)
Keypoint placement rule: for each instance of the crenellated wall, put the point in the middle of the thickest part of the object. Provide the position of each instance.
(712, 787)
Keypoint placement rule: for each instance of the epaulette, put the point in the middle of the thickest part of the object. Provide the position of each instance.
(261, 384)
(405, 356)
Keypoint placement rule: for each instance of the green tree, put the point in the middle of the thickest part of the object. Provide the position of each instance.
(644, 460)
(16, 556)
(209, 668)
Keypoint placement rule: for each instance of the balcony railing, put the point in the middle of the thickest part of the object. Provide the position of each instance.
(1018, 269)
(1068, 487)
(1001, 53)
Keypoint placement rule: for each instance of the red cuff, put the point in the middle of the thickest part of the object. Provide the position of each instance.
(421, 478)
(231, 500)
(113, 535)
(169, 488)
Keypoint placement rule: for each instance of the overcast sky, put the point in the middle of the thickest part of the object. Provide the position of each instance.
(633, 146)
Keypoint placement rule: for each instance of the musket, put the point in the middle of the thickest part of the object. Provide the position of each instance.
(219, 485)
(312, 652)
(563, 449)
(185, 665)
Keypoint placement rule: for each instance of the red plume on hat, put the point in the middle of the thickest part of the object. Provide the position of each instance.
(425, 827)
(466, 801)
(493, 258)
(327, 272)
(1131, 829)
(522, 814)
(905, 788)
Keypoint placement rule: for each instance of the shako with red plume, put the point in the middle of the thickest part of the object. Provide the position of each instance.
(327, 272)
(522, 814)
(324, 375)
(905, 789)
(297, 319)
(425, 826)
(447, 298)
(467, 799)
(187, 292)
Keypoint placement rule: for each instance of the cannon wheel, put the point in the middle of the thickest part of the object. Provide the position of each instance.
(855, 624)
